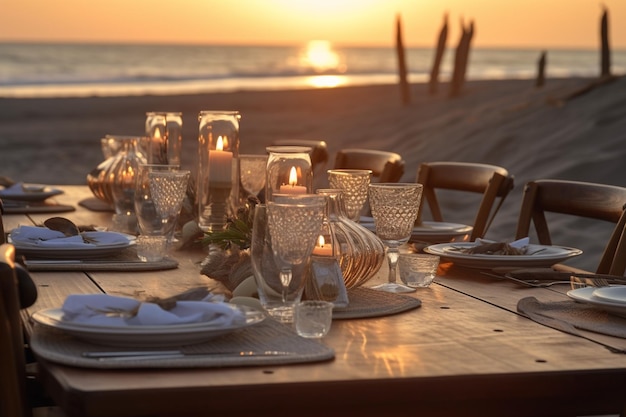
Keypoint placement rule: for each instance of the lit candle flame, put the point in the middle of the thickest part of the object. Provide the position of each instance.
(219, 146)
(293, 177)
(157, 133)
(321, 242)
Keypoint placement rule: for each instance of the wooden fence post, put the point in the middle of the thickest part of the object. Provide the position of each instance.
(402, 70)
(433, 84)
(605, 70)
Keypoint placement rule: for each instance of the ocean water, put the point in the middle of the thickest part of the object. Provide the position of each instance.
(65, 70)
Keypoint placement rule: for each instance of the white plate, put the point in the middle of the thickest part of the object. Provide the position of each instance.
(38, 193)
(119, 242)
(615, 294)
(434, 232)
(541, 255)
(146, 336)
(587, 295)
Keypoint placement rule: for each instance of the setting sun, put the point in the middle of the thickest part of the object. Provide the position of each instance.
(321, 57)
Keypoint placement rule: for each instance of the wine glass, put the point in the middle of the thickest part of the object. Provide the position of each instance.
(252, 172)
(353, 183)
(394, 208)
(294, 225)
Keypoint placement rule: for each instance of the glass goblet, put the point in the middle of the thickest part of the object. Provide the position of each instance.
(252, 172)
(353, 183)
(294, 226)
(394, 208)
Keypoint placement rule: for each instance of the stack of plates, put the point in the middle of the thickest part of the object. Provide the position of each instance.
(144, 335)
(611, 299)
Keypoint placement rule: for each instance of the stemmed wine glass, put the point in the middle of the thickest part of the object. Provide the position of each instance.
(252, 172)
(294, 225)
(354, 183)
(394, 208)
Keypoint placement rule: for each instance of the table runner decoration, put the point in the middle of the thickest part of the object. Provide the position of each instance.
(570, 317)
(367, 303)
(268, 336)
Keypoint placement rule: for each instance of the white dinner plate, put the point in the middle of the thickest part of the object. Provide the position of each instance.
(587, 295)
(615, 294)
(29, 192)
(116, 242)
(428, 231)
(540, 255)
(146, 336)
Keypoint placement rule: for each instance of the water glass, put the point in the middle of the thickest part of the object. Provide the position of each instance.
(313, 318)
(417, 270)
(159, 194)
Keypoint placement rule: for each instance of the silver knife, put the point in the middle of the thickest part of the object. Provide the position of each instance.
(173, 354)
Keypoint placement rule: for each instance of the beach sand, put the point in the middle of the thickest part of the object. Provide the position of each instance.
(531, 132)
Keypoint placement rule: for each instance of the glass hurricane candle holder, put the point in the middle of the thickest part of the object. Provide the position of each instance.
(289, 171)
(165, 130)
(218, 168)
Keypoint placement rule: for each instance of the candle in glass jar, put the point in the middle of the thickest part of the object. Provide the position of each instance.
(322, 248)
(293, 187)
(220, 164)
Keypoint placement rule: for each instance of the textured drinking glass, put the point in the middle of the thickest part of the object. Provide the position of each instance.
(394, 208)
(267, 271)
(160, 190)
(354, 184)
(294, 227)
(417, 270)
(165, 130)
(252, 170)
(217, 184)
(313, 318)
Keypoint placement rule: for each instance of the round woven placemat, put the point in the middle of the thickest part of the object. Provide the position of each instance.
(365, 302)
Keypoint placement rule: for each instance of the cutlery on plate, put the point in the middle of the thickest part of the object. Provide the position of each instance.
(548, 275)
(173, 354)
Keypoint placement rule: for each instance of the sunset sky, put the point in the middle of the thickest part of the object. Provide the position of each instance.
(508, 23)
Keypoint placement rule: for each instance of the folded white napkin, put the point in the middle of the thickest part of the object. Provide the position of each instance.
(108, 310)
(44, 237)
(21, 188)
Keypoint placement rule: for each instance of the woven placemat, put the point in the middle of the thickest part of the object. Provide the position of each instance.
(94, 204)
(571, 317)
(365, 302)
(267, 336)
(126, 260)
(36, 208)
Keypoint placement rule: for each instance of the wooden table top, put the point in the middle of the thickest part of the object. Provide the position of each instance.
(465, 351)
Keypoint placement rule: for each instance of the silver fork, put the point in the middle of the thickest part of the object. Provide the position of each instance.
(529, 283)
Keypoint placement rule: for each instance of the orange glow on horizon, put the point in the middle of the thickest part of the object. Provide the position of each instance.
(513, 23)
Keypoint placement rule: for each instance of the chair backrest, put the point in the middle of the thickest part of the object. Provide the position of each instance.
(582, 199)
(385, 166)
(3, 238)
(319, 152)
(12, 361)
(493, 182)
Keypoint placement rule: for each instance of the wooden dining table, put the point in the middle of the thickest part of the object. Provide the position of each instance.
(465, 351)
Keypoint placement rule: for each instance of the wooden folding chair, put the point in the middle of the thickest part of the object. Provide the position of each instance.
(385, 166)
(582, 199)
(493, 182)
(12, 361)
